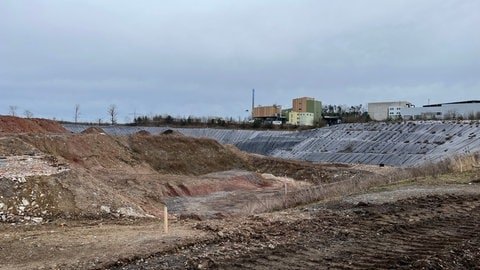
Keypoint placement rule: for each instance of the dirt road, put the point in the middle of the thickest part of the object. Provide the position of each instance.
(435, 230)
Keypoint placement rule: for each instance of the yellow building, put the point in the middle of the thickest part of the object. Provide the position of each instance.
(301, 118)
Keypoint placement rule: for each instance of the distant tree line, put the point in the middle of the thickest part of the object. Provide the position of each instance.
(347, 114)
(162, 120)
(202, 122)
(12, 111)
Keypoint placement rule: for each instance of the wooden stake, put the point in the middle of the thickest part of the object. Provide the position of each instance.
(165, 219)
(285, 188)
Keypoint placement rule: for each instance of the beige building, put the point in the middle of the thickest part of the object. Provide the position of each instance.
(300, 104)
(273, 111)
(381, 111)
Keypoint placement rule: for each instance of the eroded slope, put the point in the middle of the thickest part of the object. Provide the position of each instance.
(94, 175)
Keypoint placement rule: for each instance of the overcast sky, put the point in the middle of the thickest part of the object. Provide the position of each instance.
(203, 57)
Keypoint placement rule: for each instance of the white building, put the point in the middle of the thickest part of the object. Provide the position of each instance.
(381, 111)
(455, 110)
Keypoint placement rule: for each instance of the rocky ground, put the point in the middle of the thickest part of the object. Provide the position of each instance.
(438, 229)
(412, 226)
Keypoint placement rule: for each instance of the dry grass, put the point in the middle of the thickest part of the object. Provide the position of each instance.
(459, 164)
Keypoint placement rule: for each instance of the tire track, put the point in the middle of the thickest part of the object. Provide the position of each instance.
(433, 232)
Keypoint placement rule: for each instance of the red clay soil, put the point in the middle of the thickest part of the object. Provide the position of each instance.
(11, 124)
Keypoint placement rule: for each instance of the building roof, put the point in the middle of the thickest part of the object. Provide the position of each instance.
(453, 103)
(309, 98)
(390, 102)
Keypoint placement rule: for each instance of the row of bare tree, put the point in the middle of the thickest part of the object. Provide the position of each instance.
(12, 110)
(112, 112)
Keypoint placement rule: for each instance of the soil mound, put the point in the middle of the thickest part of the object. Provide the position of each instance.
(11, 124)
(171, 132)
(299, 170)
(184, 155)
(143, 133)
(93, 130)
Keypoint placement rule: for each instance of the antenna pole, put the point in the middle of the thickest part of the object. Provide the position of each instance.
(253, 101)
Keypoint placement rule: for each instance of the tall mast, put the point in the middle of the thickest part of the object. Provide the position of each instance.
(253, 101)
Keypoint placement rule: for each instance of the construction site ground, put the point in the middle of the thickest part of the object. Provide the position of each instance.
(422, 224)
(95, 201)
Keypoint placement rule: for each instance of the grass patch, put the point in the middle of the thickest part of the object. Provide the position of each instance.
(459, 170)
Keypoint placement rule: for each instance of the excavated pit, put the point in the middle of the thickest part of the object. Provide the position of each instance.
(406, 144)
(50, 173)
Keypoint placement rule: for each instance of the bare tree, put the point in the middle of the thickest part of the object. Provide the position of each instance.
(28, 114)
(77, 112)
(12, 110)
(113, 113)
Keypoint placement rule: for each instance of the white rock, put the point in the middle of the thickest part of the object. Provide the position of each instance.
(105, 209)
(129, 212)
(25, 202)
(2, 206)
(37, 219)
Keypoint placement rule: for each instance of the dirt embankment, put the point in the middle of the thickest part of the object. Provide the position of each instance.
(47, 176)
(185, 155)
(11, 124)
(301, 170)
(92, 175)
